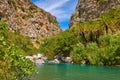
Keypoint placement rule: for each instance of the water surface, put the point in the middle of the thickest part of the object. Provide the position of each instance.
(77, 72)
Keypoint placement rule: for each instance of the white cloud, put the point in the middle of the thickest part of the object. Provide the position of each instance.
(56, 5)
(62, 9)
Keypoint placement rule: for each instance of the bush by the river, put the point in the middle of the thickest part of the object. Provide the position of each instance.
(13, 48)
(58, 45)
(104, 53)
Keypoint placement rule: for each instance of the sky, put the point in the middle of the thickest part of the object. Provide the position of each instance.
(61, 9)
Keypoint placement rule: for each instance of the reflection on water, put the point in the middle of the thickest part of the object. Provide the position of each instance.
(77, 72)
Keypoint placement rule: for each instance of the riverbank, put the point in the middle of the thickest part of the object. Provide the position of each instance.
(42, 59)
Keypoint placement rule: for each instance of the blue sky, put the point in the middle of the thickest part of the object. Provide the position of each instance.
(62, 9)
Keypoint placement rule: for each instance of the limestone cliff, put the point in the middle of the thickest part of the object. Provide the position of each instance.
(24, 17)
(91, 9)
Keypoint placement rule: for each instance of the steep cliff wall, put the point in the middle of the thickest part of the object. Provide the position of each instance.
(24, 17)
(91, 9)
(94, 18)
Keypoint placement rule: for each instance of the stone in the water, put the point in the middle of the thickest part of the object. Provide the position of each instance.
(68, 59)
(56, 61)
(39, 61)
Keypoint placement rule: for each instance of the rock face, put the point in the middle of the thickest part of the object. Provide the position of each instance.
(91, 9)
(24, 17)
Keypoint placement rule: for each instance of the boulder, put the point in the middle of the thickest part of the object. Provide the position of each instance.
(44, 58)
(39, 61)
(35, 57)
(68, 59)
(56, 61)
(39, 55)
(30, 57)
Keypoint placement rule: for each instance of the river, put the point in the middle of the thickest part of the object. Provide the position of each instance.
(76, 72)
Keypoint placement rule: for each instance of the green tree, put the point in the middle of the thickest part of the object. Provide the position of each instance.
(92, 53)
(78, 53)
(60, 44)
(13, 64)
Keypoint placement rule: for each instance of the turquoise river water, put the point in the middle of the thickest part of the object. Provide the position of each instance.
(76, 72)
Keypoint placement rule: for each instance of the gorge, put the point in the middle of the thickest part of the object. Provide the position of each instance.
(93, 38)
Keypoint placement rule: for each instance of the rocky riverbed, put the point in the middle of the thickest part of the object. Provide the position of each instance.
(41, 59)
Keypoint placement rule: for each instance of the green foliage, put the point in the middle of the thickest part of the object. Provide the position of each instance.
(23, 9)
(55, 22)
(101, 1)
(15, 38)
(105, 40)
(110, 52)
(12, 4)
(78, 52)
(107, 54)
(92, 53)
(58, 45)
(30, 15)
(9, 1)
(32, 8)
(3, 26)
(13, 64)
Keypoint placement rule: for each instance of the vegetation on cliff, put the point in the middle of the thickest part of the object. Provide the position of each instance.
(91, 9)
(13, 48)
(95, 41)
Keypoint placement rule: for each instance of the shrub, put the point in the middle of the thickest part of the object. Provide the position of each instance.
(92, 53)
(58, 45)
(13, 64)
(78, 53)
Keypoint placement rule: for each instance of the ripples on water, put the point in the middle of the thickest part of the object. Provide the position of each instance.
(76, 72)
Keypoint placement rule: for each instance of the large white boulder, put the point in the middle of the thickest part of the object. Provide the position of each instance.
(39, 61)
(38, 58)
(35, 57)
(68, 59)
(56, 61)
(30, 57)
(40, 55)
(44, 58)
